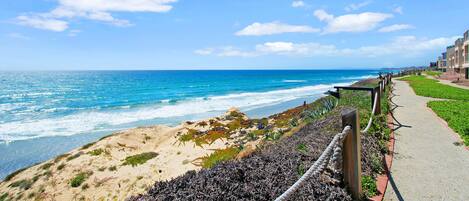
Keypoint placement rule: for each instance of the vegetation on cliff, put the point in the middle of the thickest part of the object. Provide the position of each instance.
(281, 159)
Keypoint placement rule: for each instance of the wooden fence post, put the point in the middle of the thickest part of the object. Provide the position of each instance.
(382, 86)
(352, 154)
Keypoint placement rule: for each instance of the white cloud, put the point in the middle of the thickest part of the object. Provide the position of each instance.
(156, 6)
(278, 48)
(398, 10)
(396, 27)
(406, 46)
(289, 48)
(297, 4)
(259, 29)
(356, 6)
(351, 22)
(39, 22)
(403, 46)
(322, 15)
(98, 10)
(230, 51)
(205, 51)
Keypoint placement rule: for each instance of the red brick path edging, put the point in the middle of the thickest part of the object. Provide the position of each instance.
(382, 180)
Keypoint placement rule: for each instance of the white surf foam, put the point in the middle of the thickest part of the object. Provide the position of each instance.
(294, 81)
(359, 77)
(92, 121)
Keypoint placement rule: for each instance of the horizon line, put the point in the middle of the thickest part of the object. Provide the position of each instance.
(199, 69)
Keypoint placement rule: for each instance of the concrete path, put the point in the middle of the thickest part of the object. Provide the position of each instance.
(429, 163)
(447, 82)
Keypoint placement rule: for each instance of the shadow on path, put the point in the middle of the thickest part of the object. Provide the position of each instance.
(393, 184)
(398, 125)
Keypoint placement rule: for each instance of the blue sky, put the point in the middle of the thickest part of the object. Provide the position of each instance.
(222, 34)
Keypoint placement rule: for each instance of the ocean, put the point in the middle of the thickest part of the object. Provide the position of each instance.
(44, 114)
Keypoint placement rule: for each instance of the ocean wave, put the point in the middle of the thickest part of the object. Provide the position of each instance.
(294, 81)
(98, 120)
(359, 77)
(168, 101)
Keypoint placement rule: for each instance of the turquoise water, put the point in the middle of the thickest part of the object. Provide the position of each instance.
(43, 114)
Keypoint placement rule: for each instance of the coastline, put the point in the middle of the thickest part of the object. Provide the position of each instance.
(109, 177)
(69, 143)
(163, 139)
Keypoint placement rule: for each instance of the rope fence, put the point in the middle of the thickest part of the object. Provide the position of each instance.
(341, 154)
(318, 167)
(372, 113)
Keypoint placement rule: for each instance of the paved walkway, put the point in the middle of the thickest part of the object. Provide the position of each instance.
(428, 165)
(447, 82)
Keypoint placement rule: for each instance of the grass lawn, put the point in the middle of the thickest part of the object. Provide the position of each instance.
(432, 88)
(456, 113)
(433, 73)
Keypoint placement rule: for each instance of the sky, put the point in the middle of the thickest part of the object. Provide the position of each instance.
(225, 34)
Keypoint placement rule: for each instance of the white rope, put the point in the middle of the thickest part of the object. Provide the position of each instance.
(318, 166)
(372, 113)
(334, 150)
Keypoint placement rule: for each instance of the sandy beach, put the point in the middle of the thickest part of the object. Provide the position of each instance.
(103, 163)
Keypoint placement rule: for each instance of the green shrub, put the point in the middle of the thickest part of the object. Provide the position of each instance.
(46, 166)
(74, 156)
(273, 135)
(376, 164)
(112, 168)
(258, 132)
(433, 73)
(36, 177)
(219, 156)
(369, 186)
(86, 146)
(251, 136)
(96, 152)
(190, 135)
(24, 184)
(4, 197)
(79, 179)
(302, 148)
(294, 122)
(139, 158)
(301, 170)
(13, 174)
(61, 166)
(60, 157)
(47, 173)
